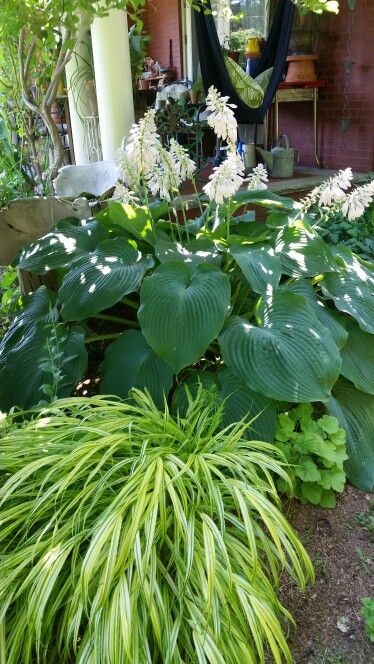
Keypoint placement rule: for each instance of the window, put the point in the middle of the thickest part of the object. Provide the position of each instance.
(239, 15)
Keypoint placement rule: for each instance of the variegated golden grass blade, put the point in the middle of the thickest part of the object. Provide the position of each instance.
(130, 536)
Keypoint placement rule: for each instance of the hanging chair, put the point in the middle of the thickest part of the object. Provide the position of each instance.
(214, 70)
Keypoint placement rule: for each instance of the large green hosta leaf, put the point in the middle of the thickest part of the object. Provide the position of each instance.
(303, 253)
(259, 265)
(194, 252)
(355, 412)
(39, 306)
(130, 362)
(100, 279)
(292, 357)
(353, 294)
(358, 358)
(137, 221)
(182, 310)
(329, 318)
(239, 402)
(62, 245)
(23, 365)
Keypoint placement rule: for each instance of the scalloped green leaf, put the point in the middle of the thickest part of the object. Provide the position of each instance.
(100, 279)
(182, 310)
(355, 412)
(328, 317)
(259, 265)
(303, 253)
(131, 363)
(291, 357)
(62, 245)
(358, 358)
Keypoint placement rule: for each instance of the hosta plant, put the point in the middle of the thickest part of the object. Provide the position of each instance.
(315, 450)
(266, 312)
(131, 536)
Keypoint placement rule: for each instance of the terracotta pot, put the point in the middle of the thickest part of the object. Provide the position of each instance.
(143, 84)
(194, 96)
(301, 68)
(234, 55)
(56, 113)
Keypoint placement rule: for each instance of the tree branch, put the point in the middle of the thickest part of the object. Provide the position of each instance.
(24, 69)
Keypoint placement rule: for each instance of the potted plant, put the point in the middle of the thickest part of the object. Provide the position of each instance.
(236, 44)
(138, 43)
(196, 90)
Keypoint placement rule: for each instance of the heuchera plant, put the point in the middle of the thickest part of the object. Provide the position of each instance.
(266, 312)
(315, 450)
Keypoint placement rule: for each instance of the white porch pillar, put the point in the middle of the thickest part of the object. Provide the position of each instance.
(78, 102)
(111, 53)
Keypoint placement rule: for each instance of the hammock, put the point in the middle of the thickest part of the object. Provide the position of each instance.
(213, 69)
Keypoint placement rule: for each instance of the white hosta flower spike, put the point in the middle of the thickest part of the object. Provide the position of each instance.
(163, 178)
(226, 179)
(258, 178)
(357, 201)
(221, 118)
(333, 191)
(142, 146)
(184, 165)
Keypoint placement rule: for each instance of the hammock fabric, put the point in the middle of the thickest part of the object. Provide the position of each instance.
(213, 69)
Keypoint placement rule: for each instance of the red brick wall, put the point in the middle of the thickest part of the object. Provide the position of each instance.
(338, 148)
(162, 22)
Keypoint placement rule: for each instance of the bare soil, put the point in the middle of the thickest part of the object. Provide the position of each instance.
(329, 626)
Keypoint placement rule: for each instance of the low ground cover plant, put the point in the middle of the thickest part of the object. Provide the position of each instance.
(268, 313)
(129, 535)
(315, 449)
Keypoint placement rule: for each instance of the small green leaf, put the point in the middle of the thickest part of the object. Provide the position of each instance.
(307, 470)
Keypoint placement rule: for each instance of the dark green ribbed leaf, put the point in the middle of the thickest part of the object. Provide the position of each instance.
(358, 358)
(100, 279)
(130, 362)
(292, 357)
(62, 245)
(355, 412)
(23, 364)
(328, 317)
(259, 265)
(38, 306)
(240, 403)
(183, 310)
(353, 294)
(303, 253)
(243, 403)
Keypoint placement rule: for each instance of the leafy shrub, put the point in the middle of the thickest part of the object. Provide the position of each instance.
(367, 612)
(131, 536)
(357, 236)
(316, 451)
(269, 312)
(9, 298)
